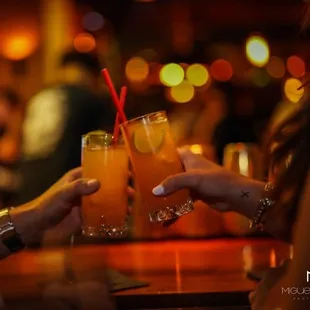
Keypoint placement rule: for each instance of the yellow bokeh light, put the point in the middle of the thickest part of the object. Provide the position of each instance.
(257, 51)
(291, 90)
(18, 47)
(171, 74)
(183, 92)
(197, 75)
(84, 42)
(137, 69)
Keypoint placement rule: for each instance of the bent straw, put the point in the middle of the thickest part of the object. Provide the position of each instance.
(117, 119)
(113, 94)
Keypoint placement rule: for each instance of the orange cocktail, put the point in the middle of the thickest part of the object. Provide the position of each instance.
(105, 212)
(154, 157)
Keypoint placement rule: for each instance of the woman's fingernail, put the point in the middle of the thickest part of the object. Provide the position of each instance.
(92, 182)
(158, 190)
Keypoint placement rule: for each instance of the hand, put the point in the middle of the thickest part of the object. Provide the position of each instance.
(208, 181)
(58, 205)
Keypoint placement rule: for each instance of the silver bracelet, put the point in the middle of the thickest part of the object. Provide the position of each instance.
(263, 205)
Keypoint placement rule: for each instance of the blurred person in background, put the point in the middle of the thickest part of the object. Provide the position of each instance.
(11, 118)
(56, 118)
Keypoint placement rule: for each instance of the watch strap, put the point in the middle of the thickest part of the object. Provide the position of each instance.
(8, 235)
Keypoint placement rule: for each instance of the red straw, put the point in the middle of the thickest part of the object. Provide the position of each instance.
(117, 119)
(113, 94)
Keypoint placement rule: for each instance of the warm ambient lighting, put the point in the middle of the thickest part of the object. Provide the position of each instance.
(276, 67)
(296, 66)
(257, 51)
(137, 69)
(171, 74)
(221, 70)
(291, 90)
(84, 42)
(183, 92)
(18, 47)
(197, 75)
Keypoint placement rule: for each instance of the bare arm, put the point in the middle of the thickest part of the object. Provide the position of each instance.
(245, 195)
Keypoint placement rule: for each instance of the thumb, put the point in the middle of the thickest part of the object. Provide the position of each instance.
(173, 183)
(78, 188)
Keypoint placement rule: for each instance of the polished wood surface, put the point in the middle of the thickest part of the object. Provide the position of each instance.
(180, 273)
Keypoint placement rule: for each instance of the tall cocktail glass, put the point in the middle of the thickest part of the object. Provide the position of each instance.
(154, 157)
(105, 212)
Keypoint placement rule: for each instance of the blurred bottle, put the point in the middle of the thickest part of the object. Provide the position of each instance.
(245, 159)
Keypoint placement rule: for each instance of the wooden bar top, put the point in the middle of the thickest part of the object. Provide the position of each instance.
(179, 273)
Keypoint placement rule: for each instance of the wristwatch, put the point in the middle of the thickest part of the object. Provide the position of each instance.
(8, 235)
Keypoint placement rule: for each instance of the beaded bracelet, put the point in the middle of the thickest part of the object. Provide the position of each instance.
(263, 205)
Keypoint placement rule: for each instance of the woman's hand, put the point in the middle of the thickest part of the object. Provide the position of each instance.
(213, 184)
(59, 205)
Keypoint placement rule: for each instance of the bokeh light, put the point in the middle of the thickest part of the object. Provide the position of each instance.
(184, 92)
(137, 69)
(276, 67)
(291, 90)
(197, 75)
(221, 70)
(93, 21)
(257, 51)
(18, 47)
(84, 42)
(171, 74)
(259, 77)
(296, 66)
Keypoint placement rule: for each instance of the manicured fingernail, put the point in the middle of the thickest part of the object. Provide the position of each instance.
(158, 190)
(92, 182)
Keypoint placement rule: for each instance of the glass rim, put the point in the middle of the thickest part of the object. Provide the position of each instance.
(103, 134)
(139, 118)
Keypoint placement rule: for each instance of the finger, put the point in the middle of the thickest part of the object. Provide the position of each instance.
(73, 174)
(78, 188)
(185, 154)
(130, 191)
(130, 210)
(173, 183)
(193, 161)
(252, 297)
(169, 222)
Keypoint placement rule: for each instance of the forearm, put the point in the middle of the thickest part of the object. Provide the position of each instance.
(26, 229)
(25, 220)
(245, 196)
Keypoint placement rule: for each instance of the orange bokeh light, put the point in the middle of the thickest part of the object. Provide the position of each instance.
(221, 70)
(296, 66)
(84, 42)
(19, 46)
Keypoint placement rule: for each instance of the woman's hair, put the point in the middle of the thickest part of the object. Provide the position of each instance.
(289, 157)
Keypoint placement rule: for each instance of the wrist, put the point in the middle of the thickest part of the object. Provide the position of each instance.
(245, 194)
(25, 220)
